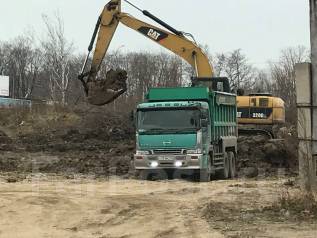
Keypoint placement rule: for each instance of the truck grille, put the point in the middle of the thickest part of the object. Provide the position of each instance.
(166, 164)
(165, 151)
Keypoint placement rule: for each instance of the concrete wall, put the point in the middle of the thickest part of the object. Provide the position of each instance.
(307, 162)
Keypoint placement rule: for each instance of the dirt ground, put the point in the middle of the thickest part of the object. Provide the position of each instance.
(42, 206)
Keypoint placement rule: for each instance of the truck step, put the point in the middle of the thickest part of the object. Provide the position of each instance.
(218, 163)
(218, 158)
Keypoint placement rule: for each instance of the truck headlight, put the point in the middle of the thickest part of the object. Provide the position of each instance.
(154, 164)
(142, 152)
(178, 163)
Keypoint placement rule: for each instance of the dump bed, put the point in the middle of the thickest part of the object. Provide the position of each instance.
(223, 110)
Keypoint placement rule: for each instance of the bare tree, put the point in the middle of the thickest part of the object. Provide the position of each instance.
(58, 54)
(220, 64)
(283, 76)
(4, 56)
(263, 83)
(236, 67)
(21, 60)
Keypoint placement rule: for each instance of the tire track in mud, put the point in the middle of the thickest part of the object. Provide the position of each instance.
(157, 215)
(134, 209)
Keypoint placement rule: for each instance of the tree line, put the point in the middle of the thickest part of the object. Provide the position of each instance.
(47, 69)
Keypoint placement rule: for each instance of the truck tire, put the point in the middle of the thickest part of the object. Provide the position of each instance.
(224, 173)
(161, 175)
(232, 167)
(143, 175)
(204, 175)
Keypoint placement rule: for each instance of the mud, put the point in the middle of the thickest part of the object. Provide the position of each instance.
(95, 141)
(261, 156)
(70, 143)
(104, 91)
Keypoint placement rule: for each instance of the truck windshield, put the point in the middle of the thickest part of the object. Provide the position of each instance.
(168, 119)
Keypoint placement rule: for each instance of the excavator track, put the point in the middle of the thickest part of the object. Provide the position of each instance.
(252, 132)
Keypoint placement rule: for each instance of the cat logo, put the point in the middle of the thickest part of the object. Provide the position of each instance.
(153, 34)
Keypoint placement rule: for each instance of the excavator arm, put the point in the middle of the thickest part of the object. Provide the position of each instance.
(178, 44)
(100, 92)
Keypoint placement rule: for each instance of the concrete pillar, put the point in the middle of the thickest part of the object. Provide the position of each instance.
(307, 168)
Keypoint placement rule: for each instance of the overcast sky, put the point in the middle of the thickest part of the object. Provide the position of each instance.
(261, 28)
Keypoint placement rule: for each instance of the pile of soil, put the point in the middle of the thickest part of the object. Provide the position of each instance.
(260, 155)
(98, 143)
(98, 165)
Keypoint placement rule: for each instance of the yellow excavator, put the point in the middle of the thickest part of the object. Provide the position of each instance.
(100, 92)
(258, 113)
(254, 111)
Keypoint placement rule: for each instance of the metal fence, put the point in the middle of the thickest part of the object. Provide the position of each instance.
(11, 103)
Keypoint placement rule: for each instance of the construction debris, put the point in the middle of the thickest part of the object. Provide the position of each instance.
(260, 156)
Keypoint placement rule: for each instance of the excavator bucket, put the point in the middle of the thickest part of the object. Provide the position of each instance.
(104, 91)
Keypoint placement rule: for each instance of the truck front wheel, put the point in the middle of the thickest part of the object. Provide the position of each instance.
(143, 174)
(204, 175)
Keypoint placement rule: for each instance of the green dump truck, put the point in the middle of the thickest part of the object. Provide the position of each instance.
(187, 130)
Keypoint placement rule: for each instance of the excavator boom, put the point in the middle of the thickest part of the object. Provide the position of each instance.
(178, 44)
(100, 92)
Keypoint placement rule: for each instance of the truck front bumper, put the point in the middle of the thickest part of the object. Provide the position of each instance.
(189, 161)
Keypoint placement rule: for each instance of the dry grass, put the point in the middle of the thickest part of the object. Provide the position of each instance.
(40, 118)
(298, 205)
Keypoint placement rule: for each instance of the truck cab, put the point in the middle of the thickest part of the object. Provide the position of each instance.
(186, 130)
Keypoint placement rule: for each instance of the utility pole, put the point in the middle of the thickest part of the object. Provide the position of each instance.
(313, 40)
